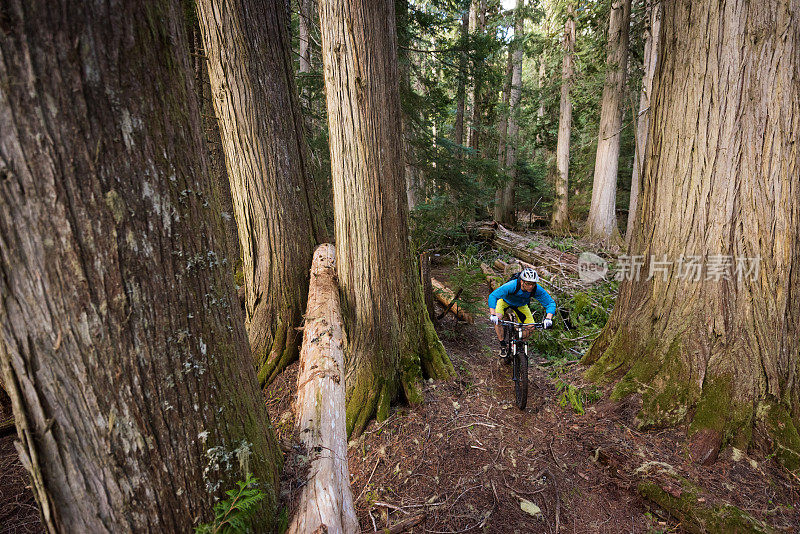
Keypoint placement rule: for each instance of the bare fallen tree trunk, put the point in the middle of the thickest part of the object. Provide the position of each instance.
(326, 503)
(540, 255)
(445, 296)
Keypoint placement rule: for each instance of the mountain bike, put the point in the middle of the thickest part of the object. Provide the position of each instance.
(518, 355)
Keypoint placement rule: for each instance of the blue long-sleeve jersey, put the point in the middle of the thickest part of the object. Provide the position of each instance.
(515, 296)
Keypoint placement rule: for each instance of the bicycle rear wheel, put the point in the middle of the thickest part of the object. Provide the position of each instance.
(521, 378)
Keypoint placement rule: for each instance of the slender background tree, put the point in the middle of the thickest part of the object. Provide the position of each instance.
(560, 218)
(602, 222)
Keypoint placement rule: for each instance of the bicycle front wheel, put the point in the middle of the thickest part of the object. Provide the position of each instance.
(521, 378)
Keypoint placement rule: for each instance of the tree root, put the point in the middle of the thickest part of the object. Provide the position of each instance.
(435, 362)
(697, 517)
(363, 400)
(659, 484)
(284, 350)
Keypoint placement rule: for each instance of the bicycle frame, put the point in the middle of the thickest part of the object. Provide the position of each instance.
(513, 334)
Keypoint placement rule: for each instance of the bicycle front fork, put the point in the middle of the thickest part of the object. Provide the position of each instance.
(513, 347)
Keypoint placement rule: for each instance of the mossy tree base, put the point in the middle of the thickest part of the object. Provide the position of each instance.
(720, 402)
(375, 386)
(283, 351)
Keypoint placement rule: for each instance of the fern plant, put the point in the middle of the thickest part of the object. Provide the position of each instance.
(232, 515)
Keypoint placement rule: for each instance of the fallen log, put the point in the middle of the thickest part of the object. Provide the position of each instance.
(523, 248)
(450, 306)
(326, 503)
(500, 265)
(445, 297)
(492, 278)
(540, 255)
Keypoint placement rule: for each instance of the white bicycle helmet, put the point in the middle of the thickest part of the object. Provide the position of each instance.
(529, 275)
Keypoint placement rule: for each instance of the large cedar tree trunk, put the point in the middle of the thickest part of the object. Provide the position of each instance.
(504, 211)
(721, 183)
(560, 219)
(391, 340)
(602, 222)
(247, 45)
(643, 117)
(122, 342)
(210, 126)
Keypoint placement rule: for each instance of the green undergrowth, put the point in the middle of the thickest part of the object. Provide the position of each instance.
(580, 318)
(233, 515)
(466, 274)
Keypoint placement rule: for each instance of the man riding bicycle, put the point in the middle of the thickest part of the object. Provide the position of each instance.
(516, 295)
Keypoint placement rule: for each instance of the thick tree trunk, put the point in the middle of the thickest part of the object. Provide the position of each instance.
(274, 198)
(391, 340)
(643, 118)
(718, 346)
(560, 219)
(427, 286)
(120, 338)
(461, 91)
(216, 157)
(326, 501)
(602, 222)
(477, 27)
(505, 209)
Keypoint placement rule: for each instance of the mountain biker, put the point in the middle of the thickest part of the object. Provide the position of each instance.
(516, 295)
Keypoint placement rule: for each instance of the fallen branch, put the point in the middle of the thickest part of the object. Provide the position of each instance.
(326, 503)
(449, 306)
(403, 525)
(446, 297)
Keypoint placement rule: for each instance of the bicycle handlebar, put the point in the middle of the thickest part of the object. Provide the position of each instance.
(539, 326)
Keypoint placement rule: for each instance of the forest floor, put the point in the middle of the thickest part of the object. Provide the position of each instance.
(471, 461)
